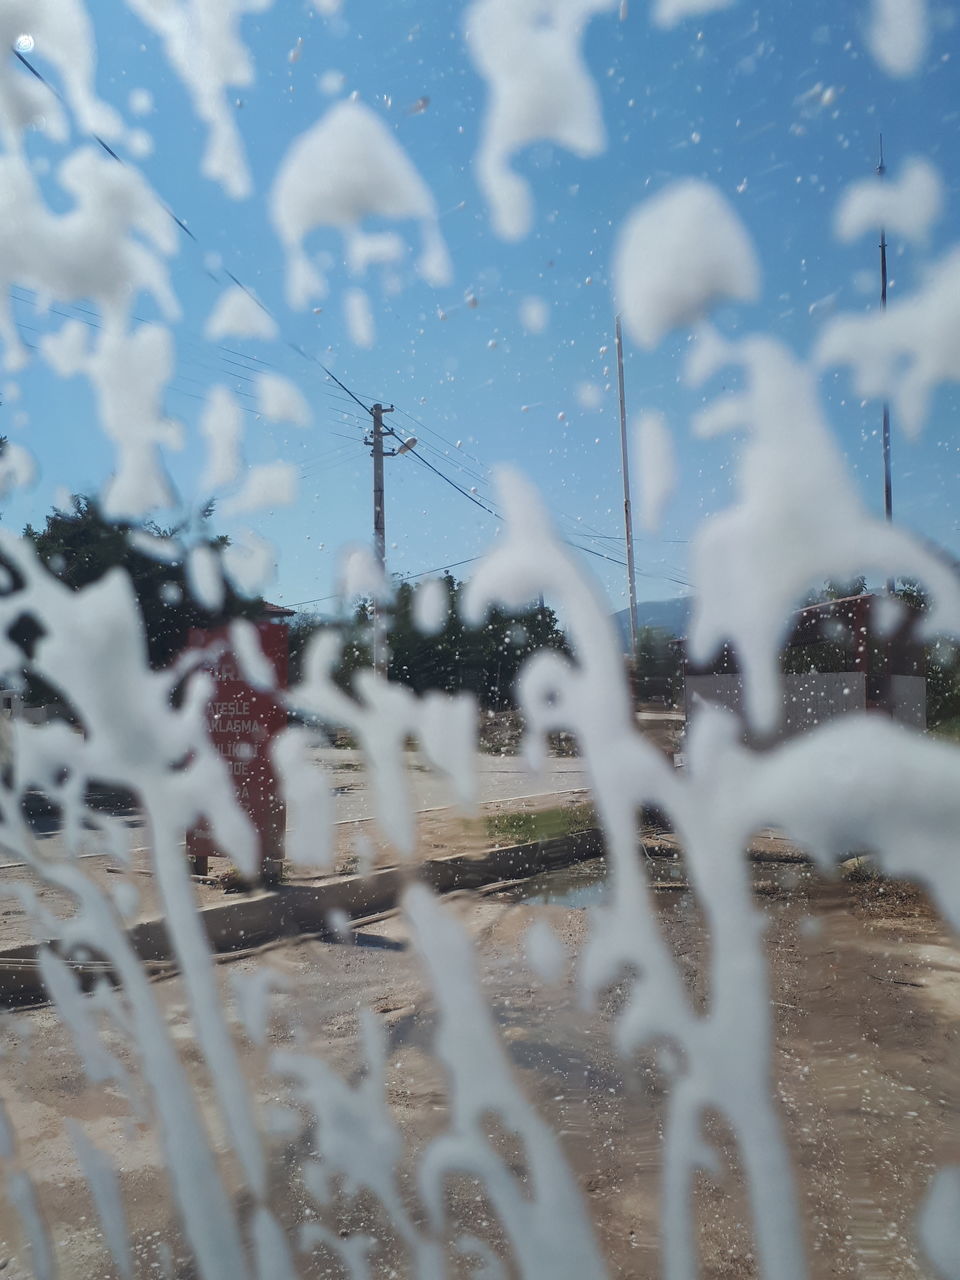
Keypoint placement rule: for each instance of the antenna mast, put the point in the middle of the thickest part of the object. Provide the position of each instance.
(627, 511)
(885, 432)
(887, 481)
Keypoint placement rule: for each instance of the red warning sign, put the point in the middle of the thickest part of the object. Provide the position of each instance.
(242, 720)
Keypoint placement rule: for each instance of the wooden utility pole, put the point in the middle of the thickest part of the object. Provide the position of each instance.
(627, 510)
(379, 525)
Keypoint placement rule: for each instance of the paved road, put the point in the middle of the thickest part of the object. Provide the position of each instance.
(499, 778)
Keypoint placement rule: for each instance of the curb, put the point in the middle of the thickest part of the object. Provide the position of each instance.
(290, 910)
(293, 909)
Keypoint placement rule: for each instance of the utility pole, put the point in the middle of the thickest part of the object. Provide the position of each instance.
(375, 442)
(627, 510)
(379, 527)
(379, 524)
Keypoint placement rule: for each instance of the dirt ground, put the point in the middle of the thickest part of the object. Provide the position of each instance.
(867, 1004)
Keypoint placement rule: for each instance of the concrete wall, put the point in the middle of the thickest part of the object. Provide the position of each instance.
(813, 698)
(816, 697)
(908, 695)
(808, 699)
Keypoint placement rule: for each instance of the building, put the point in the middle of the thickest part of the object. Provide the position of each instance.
(858, 653)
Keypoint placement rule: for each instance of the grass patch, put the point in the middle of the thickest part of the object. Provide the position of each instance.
(541, 824)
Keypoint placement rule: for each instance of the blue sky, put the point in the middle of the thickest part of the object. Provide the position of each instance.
(737, 97)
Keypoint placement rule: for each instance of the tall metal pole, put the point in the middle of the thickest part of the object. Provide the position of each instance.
(887, 481)
(885, 431)
(627, 511)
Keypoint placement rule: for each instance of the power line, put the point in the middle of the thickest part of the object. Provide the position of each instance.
(425, 573)
(403, 577)
(96, 137)
(433, 431)
(455, 462)
(294, 346)
(174, 389)
(330, 453)
(582, 529)
(496, 515)
(342, 452)
(323, 473)
(618, 537)
(316, 600)
(304, 354)
(590, 551)
(453, 484)
(90, 319)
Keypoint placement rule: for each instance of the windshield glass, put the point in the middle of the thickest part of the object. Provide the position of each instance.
(480, 586)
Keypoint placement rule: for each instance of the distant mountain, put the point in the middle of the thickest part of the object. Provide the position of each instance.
(671, 616)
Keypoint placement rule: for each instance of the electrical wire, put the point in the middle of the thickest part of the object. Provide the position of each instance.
(580, 528)
(294, 346)
(96, 137)
(174, 389)
(472, 497)
(425, 573)
(590, 551)
(496, 514)
(306, 355)
(404, 577)
(433, 431)
(455, 463)
(311, 465)
(189, 356)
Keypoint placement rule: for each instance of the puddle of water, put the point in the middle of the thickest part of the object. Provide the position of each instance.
(581, 885)
(584, 883)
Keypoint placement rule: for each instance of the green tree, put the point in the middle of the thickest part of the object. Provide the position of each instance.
(79, 546)
(658, 669)
(942, 666)
(483, 660)
(356, 651)
(840, 590)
